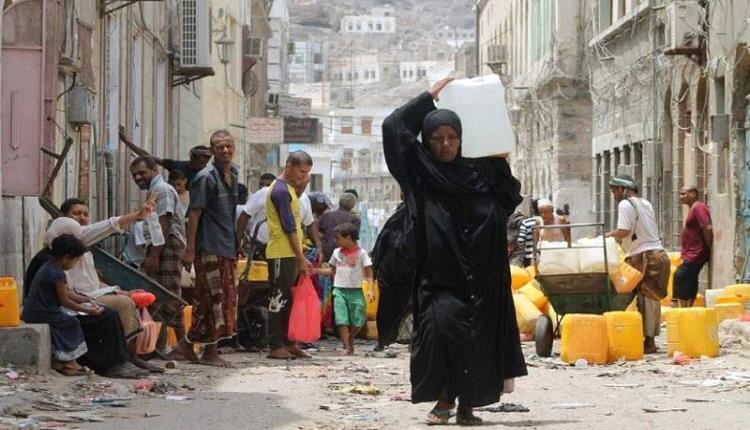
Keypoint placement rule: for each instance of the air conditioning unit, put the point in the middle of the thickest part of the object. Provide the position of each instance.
(497, 54)
(685, 25)
(195, 32)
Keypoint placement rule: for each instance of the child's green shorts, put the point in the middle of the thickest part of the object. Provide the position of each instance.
(349, 306)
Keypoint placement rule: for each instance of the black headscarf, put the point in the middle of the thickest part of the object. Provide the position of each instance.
(438, 118)
(463, 175)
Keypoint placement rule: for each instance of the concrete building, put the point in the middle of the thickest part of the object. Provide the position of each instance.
(278, 51)
(466, 61)
(537, 49)
(728, 109)
(355, 69)
(356, 134)
(309, 62)
(454, 36)
(224, 102)
(93, 70)
(381, 20)
(673, 113)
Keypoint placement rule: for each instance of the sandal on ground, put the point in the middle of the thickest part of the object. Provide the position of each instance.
(466, 417)
(151, 368)
(438, 417)
(69, 369)
(125, 371)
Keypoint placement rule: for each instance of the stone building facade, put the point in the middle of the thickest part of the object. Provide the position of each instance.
(537, 49)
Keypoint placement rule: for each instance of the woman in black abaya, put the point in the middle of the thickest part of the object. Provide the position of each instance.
(466, 342)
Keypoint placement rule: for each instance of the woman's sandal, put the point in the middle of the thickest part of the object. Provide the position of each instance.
(466, 417)
(69, 369)
(438, 417)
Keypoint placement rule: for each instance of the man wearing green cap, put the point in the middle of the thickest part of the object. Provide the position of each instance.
(639, 234)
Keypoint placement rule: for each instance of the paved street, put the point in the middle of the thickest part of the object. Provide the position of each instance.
(259, 393)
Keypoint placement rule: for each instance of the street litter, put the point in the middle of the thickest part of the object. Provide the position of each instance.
(681, 359)
(504, 407)
(572, 406)
(178, 398)
(703, 383)
(658, 410)
(112, 403)
(12, 375)
(401, 398)
(370, 390)
(145, 385)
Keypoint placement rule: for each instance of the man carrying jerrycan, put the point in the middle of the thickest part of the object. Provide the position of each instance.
(638, 232)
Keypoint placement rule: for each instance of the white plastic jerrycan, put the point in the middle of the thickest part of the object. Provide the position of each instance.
(480, 103)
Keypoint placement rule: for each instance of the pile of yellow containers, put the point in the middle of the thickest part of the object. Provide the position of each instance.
(529, 300)
(526, 313)
(519, 277)
(10, 310)
(675, 260)
(693, 331)
(728, 311)
(187, 316)
(258, 270)
(534, 293)
(624, 335)
(584, 337)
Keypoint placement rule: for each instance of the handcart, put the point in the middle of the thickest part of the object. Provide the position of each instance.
(578, 293)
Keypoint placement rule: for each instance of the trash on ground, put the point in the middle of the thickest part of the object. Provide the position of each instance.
(504, 407)
(178, 398)
(573, 406)
(681, 359)
(658, 410)
(370, 390)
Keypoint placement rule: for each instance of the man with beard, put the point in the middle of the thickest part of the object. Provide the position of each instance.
(162, 262)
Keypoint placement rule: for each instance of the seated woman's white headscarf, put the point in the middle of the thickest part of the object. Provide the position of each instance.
(61, 226)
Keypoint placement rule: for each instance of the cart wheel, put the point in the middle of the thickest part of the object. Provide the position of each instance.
(543, 336)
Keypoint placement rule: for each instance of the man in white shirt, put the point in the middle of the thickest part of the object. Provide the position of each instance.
(639, 233)
(253, 217)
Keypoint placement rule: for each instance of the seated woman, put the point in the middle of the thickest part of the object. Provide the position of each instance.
(107, 352)
(84, 278)
(48, 294)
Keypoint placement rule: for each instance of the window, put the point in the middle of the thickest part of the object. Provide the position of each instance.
(720, 91)
(347, 125)
(366, 125)
(379, 26)
(605, 14)
(318, 58)
(316, 182)
(411, 73)
(441, 56)
(370, 26)
(253, 47)
(722, 169)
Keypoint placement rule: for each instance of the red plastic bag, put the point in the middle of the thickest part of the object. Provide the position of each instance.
(304, 318)
(145, 343)
(142, 299)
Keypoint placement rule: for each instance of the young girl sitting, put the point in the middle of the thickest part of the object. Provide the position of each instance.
(350, 265)
(48, 294)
